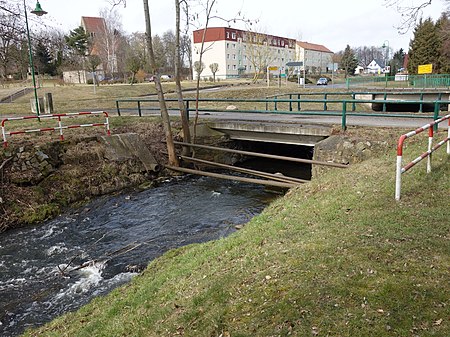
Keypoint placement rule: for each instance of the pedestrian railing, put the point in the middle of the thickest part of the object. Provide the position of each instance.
(402, 169)
(341, 103)
(60, 127)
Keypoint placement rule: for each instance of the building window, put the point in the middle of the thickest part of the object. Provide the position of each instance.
(228, 35)
(234, 45)
(228, 56)
(233, 36)
(228, 67)
(234, 67)
(228, 45)
(250, 67)
(245, 67)
(282, 43)
(234, 56)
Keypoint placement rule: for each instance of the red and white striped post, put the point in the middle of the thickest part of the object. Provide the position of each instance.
(60, 127)
(400, 170)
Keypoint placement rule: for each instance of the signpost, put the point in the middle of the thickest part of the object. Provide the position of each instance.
(425, 69)
(298, 64)
(269, 69)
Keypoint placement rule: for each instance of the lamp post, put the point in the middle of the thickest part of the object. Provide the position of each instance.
(386, 45)
(39, 12)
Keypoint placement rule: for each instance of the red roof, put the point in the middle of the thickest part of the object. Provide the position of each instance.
(313, 46)
(93, 24)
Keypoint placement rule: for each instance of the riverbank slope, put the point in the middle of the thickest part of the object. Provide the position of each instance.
(334, 257)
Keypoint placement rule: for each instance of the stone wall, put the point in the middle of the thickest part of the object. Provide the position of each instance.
(344, 149)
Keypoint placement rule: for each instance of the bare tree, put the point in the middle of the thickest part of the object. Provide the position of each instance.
(214, 69)
(259, 53)
(173, 160)
(411, 12)
(181, 106)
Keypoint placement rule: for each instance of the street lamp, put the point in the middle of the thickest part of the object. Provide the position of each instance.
(39, 12)
(386, 45)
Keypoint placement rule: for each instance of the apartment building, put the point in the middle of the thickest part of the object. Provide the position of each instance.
(240, 53)
(316, 57)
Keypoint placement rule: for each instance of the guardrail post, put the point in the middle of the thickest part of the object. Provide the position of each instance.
(354, 104)
(298, 103)
(290, 102)
(186, 111)
(344, 115)
(267, 103)
(384, 104)
(421, 102)
(276, 105)
(436, 114)
(325, 102)
(117, 107)
(139, 108)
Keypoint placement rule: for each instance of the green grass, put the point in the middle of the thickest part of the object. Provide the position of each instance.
(335, 257)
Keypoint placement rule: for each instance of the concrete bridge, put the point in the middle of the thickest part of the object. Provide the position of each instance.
(282, 133)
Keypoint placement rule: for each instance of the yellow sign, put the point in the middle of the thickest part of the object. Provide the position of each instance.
(425, 69)
(272, 68)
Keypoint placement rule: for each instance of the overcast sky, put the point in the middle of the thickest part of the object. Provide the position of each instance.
(332, 23)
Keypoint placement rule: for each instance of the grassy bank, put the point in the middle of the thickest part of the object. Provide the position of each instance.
(335, 257)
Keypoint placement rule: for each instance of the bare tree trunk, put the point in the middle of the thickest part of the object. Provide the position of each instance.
(183, 112)
(173, 160)
(209, 7)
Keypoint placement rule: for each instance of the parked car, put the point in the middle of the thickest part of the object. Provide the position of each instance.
(322, 81)
(166, 77)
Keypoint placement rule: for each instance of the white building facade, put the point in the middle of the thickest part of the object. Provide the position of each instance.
(240, 53)
(316, 58)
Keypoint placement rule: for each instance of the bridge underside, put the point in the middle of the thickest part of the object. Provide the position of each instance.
(296, 134)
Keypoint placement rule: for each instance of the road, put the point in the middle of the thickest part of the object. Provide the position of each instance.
(407, 123)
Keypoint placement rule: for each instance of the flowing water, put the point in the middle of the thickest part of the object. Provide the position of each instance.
(121, 234)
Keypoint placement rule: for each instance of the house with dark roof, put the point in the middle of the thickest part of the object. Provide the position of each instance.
(377, 66)
(316, 57)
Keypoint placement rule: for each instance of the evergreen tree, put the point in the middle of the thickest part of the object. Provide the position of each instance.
(443, 28)
(425, 47)
(43, 60)
(349, 61)
(78, 42)
(397, 61)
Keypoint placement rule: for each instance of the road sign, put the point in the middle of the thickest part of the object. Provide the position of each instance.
(294, 64)
(272, 68)
(425, 69)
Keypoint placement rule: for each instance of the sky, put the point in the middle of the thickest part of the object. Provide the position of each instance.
(332, 23)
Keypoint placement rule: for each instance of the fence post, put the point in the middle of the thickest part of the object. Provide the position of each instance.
(384, 104)
(275, 105)
(290, 102)
(354, 104)
(139, 108)
(298, 103)
(117, 107)
(325, 103)
(344, 115)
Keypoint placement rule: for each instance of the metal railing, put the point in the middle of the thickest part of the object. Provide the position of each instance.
(406, 81)
(342, 112)
(430, 127)
(60, 126)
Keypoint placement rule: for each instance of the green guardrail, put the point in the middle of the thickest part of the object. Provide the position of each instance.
(343, 113)
(401, 81)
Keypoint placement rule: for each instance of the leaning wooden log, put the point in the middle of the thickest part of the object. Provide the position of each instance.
(235, 178)
(271, 176)
(264, 155)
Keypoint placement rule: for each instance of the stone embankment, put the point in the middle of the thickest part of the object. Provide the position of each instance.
(38, 181)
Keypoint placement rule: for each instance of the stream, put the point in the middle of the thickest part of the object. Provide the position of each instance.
(122, 233)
